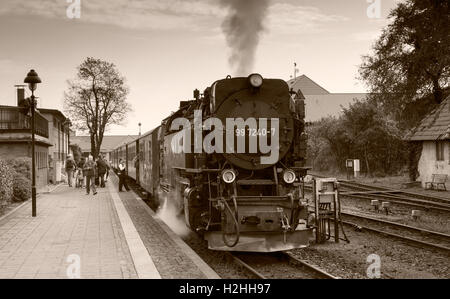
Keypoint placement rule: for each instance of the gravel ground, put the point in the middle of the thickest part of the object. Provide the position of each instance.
(431, 220)
(217, 260)
(398, 259)
(275, 266)
(418, 235)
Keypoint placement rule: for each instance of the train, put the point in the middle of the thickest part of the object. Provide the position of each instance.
(238, 185)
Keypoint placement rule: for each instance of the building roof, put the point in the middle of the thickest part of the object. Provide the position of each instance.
(319, 101)
(319, 106)
(108, 144)
(435, 126)
(52, 111)
(307, 86)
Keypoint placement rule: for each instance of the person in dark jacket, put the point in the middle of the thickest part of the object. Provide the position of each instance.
(70, 169)
(122, 176)
(102, 169)
(90, 169)
(107, 170)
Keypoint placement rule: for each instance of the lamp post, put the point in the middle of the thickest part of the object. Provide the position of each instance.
(67, 124)
(140, 129)
(33, 79)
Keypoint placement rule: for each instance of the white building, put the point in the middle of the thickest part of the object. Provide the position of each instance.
(434, 133)
(320, 102)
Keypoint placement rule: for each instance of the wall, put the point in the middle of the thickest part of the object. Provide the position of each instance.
(429, 166)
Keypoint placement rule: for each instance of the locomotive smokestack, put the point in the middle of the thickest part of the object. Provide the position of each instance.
(242, 28)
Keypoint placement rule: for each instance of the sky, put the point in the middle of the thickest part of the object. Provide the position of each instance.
(167, 48)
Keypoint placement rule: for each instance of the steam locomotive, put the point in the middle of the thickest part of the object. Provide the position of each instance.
(238, 185)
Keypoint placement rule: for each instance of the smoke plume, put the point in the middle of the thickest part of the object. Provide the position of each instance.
(242, 28)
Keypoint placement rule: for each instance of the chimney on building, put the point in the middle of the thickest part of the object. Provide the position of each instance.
(20, 94)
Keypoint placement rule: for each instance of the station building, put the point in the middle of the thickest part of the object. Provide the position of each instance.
(434, 134)
(319, 101)
(50, 141)
(59, 136)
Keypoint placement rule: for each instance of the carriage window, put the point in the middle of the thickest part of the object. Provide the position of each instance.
(150, 151)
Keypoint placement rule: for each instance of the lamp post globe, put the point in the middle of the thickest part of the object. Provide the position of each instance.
(33, 80)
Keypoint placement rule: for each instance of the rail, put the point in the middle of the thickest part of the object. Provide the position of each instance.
(312, 271)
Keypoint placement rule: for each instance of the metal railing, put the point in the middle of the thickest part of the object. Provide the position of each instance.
(13, 119)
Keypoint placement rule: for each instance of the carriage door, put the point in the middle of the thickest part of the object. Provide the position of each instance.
(138, 161)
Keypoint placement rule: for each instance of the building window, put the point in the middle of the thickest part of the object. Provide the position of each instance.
(440, 145)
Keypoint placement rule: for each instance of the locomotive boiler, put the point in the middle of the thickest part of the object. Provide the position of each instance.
(232, 161)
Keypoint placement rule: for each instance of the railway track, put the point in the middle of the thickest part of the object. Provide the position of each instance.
(392, 196)
(352, 186)
(404, 201)
(417, 236)
(400, 193)
(280, 265)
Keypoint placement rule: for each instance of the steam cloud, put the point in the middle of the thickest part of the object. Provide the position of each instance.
(243, 27)
(168, 213)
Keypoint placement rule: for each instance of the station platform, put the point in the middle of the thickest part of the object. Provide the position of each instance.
(111, 235)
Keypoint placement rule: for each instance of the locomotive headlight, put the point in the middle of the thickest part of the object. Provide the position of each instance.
(228, 176)
(289, 176)
(256, 80)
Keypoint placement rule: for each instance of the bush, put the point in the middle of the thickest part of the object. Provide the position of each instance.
(21, 187)
(361, 132)
(6, 183)
(22, 166)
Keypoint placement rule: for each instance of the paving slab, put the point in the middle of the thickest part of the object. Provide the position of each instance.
(73, 236)
(110, 235)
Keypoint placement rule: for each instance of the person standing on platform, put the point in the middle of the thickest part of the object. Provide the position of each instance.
(108, 164)
(90, 171)
(102, 168)
(80, 173)
(122, 176)
(70, 168)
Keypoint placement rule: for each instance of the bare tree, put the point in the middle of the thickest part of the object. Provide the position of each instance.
(96, 99)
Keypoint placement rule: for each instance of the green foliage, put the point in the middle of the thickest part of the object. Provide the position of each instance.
(6, 183)
(319, 153)
(15, 180)
(21, 166)
(411, 60)
(22, 188)
(363, 132)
